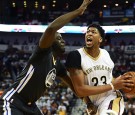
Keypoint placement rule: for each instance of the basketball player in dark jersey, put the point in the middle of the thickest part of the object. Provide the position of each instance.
(40, 71)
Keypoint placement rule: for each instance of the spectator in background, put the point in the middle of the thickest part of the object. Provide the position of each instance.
(54, 108)
(62, 109)
(45, 111)
(61, 112)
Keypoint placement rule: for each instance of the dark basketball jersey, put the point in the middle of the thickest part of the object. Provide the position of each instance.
(39, 74)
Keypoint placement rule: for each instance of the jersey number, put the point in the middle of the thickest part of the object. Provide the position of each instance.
(96, 81)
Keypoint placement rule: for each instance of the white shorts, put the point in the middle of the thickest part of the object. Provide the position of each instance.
(113, 104)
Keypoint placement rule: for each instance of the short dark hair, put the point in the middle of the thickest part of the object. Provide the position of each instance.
(100, 29)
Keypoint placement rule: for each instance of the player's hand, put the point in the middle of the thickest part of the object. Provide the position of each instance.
(91, 110)
(84, 5)
(123, 81)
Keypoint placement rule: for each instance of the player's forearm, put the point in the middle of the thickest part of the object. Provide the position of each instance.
(64, 19)
(82, 88)
(87, 90)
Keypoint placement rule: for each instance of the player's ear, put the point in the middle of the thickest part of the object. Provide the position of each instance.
(100, 40)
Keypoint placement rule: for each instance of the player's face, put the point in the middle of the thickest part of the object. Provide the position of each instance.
(59, 43)
(92, 37)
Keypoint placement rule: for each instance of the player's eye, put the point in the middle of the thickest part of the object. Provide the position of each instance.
(88, 31)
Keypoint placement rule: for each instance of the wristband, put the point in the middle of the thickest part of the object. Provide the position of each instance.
(112, 86)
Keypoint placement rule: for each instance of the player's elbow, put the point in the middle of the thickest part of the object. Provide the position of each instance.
(50, 29)
(79, 92)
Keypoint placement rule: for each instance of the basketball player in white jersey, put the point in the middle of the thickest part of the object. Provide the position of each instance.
(96, 65)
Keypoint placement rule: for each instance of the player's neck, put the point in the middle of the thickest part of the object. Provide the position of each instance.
(54, 60)
(55, 55)
(94, 52)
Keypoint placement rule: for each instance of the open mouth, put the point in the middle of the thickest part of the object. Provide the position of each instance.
(89, 41)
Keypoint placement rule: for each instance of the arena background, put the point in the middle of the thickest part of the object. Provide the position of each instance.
(16, 46)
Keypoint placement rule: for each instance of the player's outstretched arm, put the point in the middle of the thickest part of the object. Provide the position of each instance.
(49, 35)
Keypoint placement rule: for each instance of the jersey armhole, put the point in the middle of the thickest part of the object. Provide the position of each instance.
(73, 60)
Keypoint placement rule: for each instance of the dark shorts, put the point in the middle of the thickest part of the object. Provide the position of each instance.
(17, 107)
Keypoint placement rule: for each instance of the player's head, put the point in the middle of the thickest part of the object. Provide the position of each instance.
(59, 43)
(99, 28)
(94, 35)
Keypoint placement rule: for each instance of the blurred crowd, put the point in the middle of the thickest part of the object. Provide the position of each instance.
(45, 17)
(60, 100)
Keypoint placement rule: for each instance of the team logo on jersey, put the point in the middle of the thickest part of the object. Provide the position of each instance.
(50, 78)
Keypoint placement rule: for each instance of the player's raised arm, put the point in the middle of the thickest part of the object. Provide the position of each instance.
(48, 36)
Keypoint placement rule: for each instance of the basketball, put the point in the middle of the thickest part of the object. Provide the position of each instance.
(132, 91)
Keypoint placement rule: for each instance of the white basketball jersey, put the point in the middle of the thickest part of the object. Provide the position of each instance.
(98, 72)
